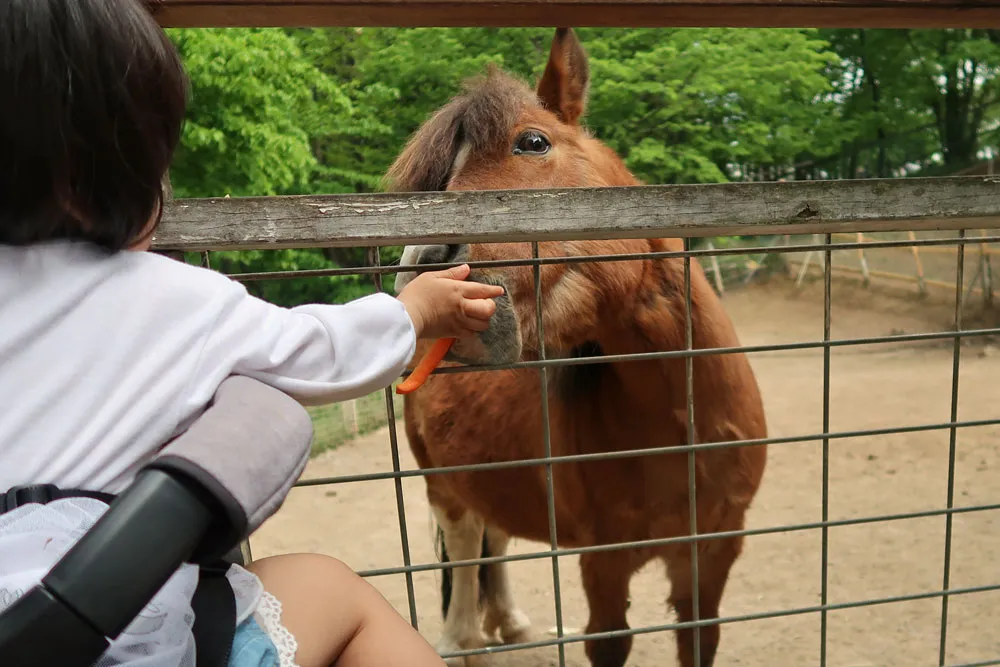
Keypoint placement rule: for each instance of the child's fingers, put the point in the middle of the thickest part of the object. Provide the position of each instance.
(455, 273)
(479, 309)
(481, 291)
(476, 313)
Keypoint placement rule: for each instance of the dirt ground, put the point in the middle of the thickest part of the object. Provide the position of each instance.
(871, 387)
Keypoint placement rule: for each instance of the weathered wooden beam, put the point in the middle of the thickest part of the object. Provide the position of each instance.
(581, 13)
(803, 207)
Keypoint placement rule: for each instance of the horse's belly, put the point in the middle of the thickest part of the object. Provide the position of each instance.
(469, 420)
(465, 421)
(595, 503)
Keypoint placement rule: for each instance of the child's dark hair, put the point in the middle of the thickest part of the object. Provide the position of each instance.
(93, 101)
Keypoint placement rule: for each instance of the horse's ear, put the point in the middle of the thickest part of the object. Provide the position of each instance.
(426, 162)
(563, 86)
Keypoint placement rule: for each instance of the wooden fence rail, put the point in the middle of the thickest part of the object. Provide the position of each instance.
(729, 209)
(606, 13)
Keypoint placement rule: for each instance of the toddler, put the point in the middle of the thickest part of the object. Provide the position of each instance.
(107, 352)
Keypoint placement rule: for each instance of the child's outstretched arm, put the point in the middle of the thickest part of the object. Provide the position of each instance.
(322, 353)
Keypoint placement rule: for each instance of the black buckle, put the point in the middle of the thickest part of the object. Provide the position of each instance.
(23, 495)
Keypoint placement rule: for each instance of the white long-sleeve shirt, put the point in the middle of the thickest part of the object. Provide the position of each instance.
(106, 357)
(103, 358)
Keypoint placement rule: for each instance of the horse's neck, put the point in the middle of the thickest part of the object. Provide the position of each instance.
(659, 325)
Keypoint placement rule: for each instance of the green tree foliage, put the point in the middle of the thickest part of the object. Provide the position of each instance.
(256, 105)
(920, 102)
(326, 110)
(685, 106)
(259, 112)
(397, 78)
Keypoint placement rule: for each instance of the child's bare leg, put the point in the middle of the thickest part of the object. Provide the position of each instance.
(337, 618)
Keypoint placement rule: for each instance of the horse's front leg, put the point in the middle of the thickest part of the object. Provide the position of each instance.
(715, 559)
(463, 537)
(606, 576)
(502, 613)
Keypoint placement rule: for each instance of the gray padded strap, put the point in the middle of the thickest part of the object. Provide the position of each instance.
(246, 450)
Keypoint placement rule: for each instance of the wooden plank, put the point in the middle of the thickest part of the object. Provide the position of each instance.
(803, 207)
(581, 13)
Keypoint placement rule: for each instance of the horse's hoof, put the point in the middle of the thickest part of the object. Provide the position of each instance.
(448, 646)
(514, 627)
(517, 629)
(610, 652)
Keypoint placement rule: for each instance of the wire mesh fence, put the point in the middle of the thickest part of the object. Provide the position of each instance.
(923, 269)
(958, 493)
(871, 258)
(340, 423)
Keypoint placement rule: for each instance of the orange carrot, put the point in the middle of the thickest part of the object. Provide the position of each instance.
(434, 356)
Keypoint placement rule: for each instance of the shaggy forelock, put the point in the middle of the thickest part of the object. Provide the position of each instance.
(482, 118)
(493, 106)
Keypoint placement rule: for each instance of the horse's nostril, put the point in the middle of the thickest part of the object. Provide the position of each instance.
(433, 254)
(443, 254)
(454, 250)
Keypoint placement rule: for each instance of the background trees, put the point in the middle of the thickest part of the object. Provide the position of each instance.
(326, 110)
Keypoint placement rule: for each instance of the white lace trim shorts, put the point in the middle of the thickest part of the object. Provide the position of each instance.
(262, 641)
(34, 537)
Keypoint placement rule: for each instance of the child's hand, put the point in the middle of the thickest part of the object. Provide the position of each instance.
(442, 305)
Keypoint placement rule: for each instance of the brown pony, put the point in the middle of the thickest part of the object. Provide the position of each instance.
(500, 134)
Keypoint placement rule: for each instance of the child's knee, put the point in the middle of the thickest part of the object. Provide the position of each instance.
(327, 571)
(320, 572)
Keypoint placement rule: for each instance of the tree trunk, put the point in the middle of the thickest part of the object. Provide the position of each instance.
(871, 79)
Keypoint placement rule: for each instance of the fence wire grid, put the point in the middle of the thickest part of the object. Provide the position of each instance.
(820, 250)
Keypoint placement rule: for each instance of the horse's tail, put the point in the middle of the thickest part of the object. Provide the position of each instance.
(446, 573)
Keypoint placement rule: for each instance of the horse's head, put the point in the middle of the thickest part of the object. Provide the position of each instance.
(501, 134)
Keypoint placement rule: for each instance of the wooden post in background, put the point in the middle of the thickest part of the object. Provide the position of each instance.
(350, 414)
(714, 260)
(864, 262)
(921, 283)
(986, 271)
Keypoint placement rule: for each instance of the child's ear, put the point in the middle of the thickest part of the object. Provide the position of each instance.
(563, 86)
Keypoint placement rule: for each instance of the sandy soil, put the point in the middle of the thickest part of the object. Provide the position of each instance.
(871, 387)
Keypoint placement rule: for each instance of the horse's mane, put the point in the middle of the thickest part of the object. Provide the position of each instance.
(482, 117)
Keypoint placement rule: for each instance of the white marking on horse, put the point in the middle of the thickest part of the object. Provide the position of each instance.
(461, 158)
(502, 613)
(463, 539)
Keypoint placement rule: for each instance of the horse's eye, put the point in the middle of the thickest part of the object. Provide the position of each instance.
(532, 143)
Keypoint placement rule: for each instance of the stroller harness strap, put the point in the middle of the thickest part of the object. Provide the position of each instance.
(214, 604)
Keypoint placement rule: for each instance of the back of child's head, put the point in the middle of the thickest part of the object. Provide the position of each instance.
(93, 101)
